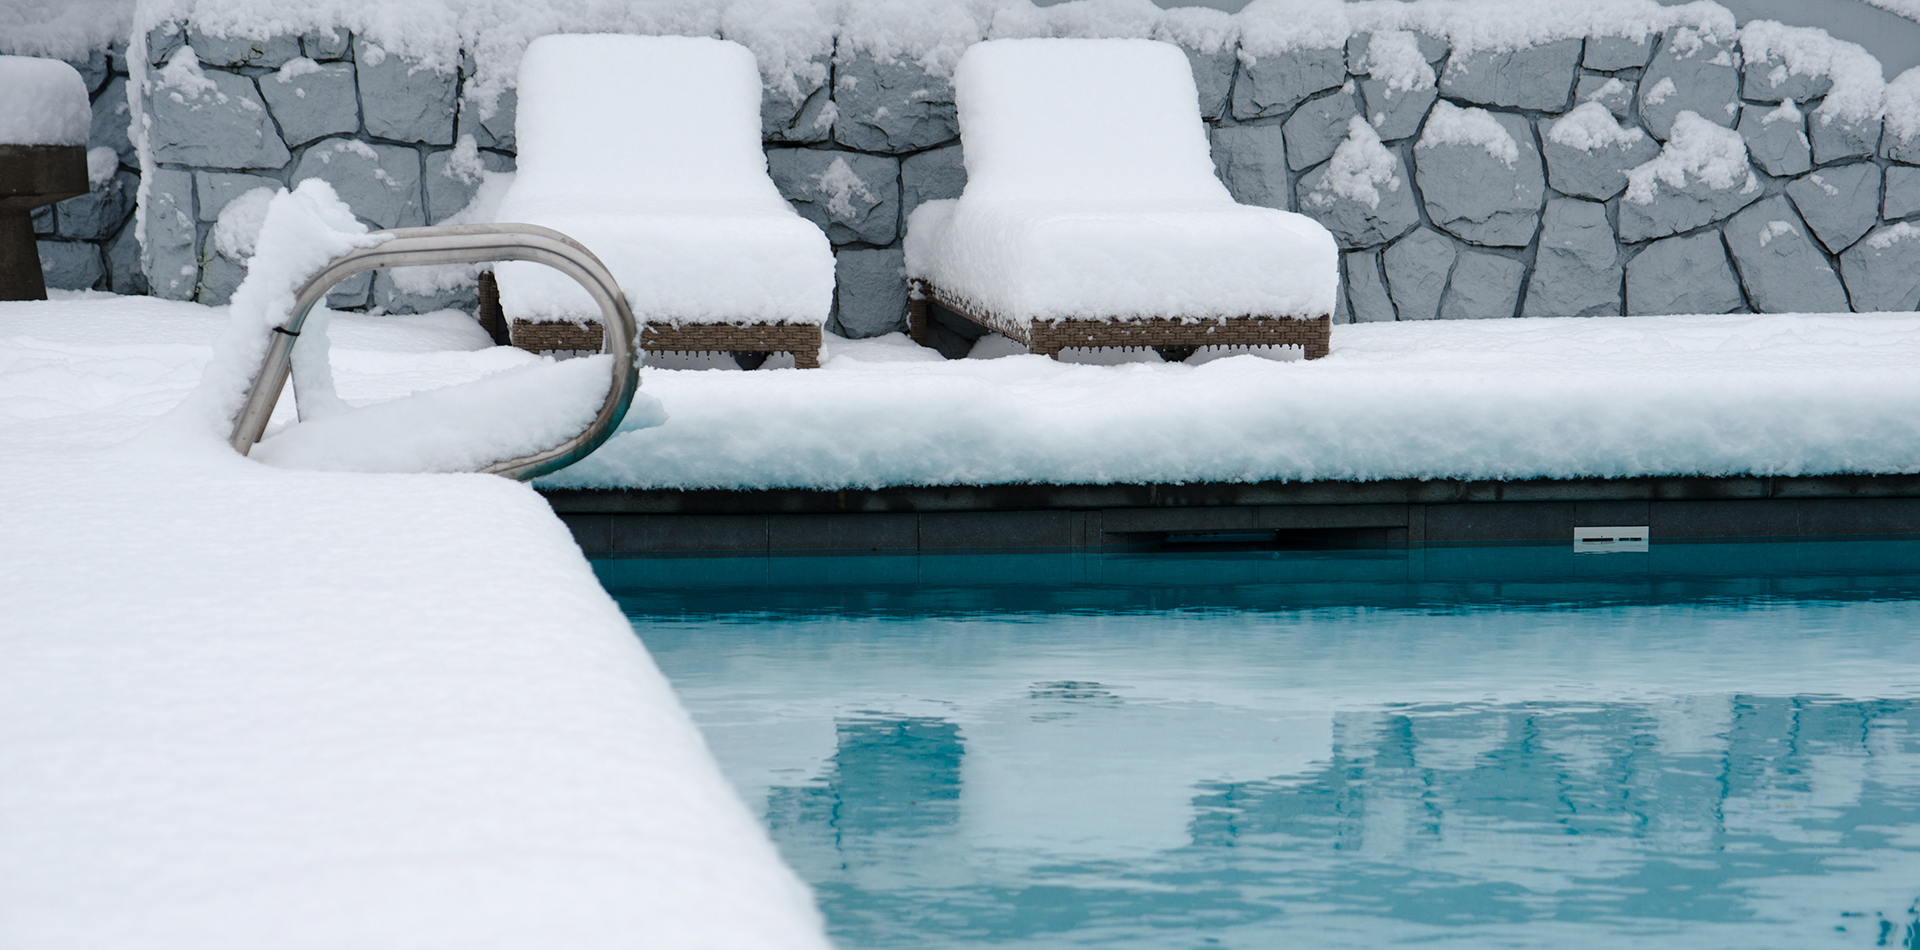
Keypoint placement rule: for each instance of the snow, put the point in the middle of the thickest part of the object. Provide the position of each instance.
(238, 227)
(62, 29)
(1590, 126)
(1785, 112)
(1360, 165)
(1698, 149)
(1449, 124)
(1774, 229)
(1661, 91)
(102, 162)
(1612, 87)
(1470, 26)
(1893, 234)
(182, 75)
(1906, 8)
(1481, 399)
(42, 102)
(1903, 106)
(243, 706)
(1858, 85)
(1111, 209)
(670, 191)
(1394, 58)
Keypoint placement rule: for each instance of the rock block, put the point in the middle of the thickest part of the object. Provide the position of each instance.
(1396, 114)
(327, 45)
(1837, 139)
(239, 51)
(1599, 172)
(1769, 80)
(219, 276)
(1837, 202)
(1781, 268)
(1578, 269)
(869, 291)
(1538, 77)
(1366, 216)
(453, 178)
(1903, 194)
(1904, 150)
(1612, 92)
(111, 114)
(94, 70)
(353, 292)
(409, 290)
(124, 275)
(313, 104)
(1683, 275)
(1252, 161)
(71, 265)
(1213, 79)
(932, 175)
(1689, 74)
(169, 256)
(1668, 210)
(401, 100)
(1418, 267)
(494, 131)
(381, 183)
(163, 39)
(1777, 141)
(98, 214)
(1882, 272)
(803, 120)
(1610, 53)
(1366, 298)
(891, 107)
(1318, 127)
(852, 197)
(1485, 285)
(1274, 84)
(216, 189)
(220, 125)
(1480, 197)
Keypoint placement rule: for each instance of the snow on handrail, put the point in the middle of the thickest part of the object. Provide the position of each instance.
(466, 244)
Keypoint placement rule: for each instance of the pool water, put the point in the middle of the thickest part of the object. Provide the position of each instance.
(1700, 746)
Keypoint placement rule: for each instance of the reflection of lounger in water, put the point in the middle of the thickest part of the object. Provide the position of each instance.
(647, 150)
(1104, 224)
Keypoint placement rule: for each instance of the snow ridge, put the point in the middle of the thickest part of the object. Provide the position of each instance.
(1449, 124)
(1708, 153)
(1590, 126)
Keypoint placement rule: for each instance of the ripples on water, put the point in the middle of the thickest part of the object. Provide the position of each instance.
(1704, 746)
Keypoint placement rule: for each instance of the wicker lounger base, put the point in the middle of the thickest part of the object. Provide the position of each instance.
(1172, 337)
(802, 340)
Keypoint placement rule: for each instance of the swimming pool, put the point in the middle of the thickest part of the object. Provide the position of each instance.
(1701, 746)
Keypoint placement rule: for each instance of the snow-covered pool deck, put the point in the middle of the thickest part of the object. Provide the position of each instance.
(248, 707)
(245, 706)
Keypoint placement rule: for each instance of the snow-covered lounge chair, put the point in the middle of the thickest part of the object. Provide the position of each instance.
(1092, 216)
(646, 149)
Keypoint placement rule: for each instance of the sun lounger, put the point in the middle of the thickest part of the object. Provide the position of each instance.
(646, 149)
(1092, 216)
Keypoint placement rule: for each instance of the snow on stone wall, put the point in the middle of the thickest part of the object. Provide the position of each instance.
(1524, 156)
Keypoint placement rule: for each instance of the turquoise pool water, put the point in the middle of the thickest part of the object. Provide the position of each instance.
(1702, 746)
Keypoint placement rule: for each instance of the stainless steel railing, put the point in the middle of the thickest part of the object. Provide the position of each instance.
(466, 244)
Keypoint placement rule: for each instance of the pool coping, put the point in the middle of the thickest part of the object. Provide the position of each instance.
(1386, 513)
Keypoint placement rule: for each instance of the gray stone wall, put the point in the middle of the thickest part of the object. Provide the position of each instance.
(1457, 231)
(88, 242)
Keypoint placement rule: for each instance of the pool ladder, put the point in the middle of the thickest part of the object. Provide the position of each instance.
(465, 244)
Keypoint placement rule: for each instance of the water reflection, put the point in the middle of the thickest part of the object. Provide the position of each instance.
(1691, 770)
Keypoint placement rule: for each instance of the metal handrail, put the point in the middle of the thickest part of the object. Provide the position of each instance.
(465, 244)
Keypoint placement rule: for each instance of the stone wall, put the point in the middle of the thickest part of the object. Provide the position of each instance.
(1452, 197)
(88, 242)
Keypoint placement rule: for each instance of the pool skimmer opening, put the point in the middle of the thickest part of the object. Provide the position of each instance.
(1610, 539)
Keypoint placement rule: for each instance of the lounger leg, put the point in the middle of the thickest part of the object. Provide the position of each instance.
(917, 311)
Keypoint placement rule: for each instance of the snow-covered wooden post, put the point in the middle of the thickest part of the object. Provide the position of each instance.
(44, 121)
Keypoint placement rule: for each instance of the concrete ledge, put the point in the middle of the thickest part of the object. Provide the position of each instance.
(1335, 514)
